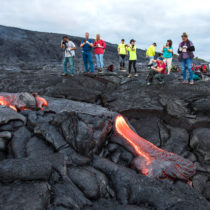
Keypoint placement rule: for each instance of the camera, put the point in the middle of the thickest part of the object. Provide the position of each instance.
(151, 65)
(64, 42)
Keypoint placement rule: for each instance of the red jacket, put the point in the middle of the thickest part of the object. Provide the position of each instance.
(99, 50)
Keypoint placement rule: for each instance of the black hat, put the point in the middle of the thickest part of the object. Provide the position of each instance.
(132, 40)
(123, 40)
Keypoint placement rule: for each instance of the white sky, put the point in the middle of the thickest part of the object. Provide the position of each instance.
(144, 20)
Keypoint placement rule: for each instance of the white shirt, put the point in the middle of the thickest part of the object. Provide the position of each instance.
(68, 51)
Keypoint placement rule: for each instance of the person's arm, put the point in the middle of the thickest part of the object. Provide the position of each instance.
(73, 46)
(170, 50)
(104, 45)
(94, 45)
(62, 45)
(118, 49)
(132, 48)
(82, 44)
(191, 48)
(127, 49)
(159, 70)
(179, 49)
(90, 44)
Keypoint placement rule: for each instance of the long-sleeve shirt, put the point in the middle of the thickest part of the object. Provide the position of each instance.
(98, 47)
(188, 53)
(151, 51)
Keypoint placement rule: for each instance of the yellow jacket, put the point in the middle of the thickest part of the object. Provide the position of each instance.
(151, 51)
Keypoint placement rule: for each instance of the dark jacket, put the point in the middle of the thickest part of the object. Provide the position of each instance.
(190, 50)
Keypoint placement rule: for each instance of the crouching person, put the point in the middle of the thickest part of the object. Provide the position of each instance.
(157, 72)
(69, 48)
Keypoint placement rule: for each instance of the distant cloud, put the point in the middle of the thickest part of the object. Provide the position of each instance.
(146, 21)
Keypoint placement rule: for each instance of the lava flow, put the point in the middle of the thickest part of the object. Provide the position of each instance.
(151, 160)
(22, 101)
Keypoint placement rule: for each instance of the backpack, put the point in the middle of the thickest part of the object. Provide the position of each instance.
(110, 68)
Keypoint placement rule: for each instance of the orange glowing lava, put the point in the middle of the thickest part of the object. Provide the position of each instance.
(4, 102)
(40, 102)
(151, 160)
(15, 102)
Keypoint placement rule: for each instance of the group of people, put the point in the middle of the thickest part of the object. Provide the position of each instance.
(87, 45)
(157, 67)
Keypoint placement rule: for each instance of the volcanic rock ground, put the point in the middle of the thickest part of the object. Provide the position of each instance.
(63, 158)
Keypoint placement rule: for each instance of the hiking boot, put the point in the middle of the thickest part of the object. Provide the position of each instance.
(72, 75)
(161, 82)
(148, 83)
(130, 75)
(64, 74)
(136, 75)
(185, 82)
(191, 82)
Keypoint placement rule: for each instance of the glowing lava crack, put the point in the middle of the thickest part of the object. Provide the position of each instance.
(151, 160)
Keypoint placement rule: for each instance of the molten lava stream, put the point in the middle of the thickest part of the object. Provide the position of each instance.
(151, 160)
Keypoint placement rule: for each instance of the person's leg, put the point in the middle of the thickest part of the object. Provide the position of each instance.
(85, 60)
(150, 59)
(183, 63)
(129, 67)
(65, 60)
(90, 60)
(134, 66)
(71, 59)
(101, 57)
(159, 77)
(189, 66)
(97, 60)
(169, 64)
(123, 61)
(150, 76)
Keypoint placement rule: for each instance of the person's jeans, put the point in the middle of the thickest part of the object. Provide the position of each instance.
(122, 60)
(69, 60)
(87, 58)
(187, 64)
(150, 59)
(99, 60)
(155, 75)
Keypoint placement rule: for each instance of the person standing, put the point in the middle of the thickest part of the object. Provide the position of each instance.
(87, 46)
(168, 55)
(185, 50)
(99, 46)
(132, 58)
(151, 52)
(122, 53)
(69, 48)
(157, 72)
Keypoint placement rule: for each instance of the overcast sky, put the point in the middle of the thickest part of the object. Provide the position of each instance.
(144, 20)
